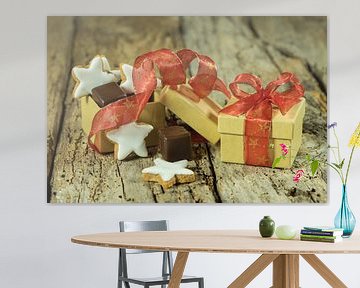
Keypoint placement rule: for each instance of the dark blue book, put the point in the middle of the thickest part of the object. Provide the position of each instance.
(322, 231)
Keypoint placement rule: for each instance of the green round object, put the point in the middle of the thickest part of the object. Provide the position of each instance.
(285, 232)
(267, 227)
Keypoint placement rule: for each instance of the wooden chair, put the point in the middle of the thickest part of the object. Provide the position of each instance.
(167, 262)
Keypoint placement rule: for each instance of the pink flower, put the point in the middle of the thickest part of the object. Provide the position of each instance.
(284, 149)
(298, 175)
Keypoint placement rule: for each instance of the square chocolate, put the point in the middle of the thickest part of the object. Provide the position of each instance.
(175, 143)
(107, 93)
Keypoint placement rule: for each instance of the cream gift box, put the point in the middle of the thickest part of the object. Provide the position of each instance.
(153, 114)
(285, 129)
(202, 116)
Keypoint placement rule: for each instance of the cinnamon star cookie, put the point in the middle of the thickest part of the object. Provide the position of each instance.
(96, 74)
(168, 174)
(130, 138)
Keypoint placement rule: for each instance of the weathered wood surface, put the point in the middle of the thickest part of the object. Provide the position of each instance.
(58, 63)
(237, 44)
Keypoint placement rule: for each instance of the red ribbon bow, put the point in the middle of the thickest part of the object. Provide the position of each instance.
(172, 67)
(257, 108)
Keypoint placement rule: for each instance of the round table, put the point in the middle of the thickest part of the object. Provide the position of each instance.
(284, 254)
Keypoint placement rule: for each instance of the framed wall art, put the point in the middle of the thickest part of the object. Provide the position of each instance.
(187, 109)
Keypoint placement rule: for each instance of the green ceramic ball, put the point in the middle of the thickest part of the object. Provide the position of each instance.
(285, 232)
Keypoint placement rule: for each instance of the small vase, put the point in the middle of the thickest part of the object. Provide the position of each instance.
(345, 219)
(267, 227)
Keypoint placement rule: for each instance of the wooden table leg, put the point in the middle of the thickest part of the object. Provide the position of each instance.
(253, 270)
(286, 271)
(324, 271)
(293, 262)
(178, 269)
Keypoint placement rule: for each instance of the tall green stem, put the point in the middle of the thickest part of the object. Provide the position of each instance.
(348, 167)
(337, 171)
(339, 157)
(350, 159)
(338, 146)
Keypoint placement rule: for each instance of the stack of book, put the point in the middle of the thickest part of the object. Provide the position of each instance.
(321, 234)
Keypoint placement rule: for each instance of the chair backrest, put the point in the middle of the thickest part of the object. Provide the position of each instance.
(137, 226)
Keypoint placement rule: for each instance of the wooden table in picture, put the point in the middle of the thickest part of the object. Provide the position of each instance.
(284, 254)
(262, 45)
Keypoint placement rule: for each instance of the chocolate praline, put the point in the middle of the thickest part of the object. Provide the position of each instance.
(175, 143)
(108, 93)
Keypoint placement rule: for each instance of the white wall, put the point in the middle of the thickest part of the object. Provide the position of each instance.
(35, 248)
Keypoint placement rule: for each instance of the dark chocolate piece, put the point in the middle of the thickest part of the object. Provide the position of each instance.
(107, 93)
(175, 143)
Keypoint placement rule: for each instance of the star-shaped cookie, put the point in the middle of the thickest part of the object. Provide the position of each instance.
(168, 174)
(127, 80)
(130, 138)
(96, 74)
(107, 68)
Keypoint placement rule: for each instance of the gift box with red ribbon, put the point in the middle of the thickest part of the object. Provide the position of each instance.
(200, 114)
(253, 126)
(189, 100)
(185, 97)
(100, 89)
(153, 114)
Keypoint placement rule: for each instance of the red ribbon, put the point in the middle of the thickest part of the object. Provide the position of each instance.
(257, 108)
(172, 67)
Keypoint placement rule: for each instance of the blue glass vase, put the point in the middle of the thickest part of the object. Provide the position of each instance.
(345, 219)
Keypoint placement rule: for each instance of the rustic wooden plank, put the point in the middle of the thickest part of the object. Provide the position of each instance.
(301, 37)
(82, 176)
(200, 191)
(315, 133)
(314, 129)
(230, 43)
(241, 50)
(58, 65)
